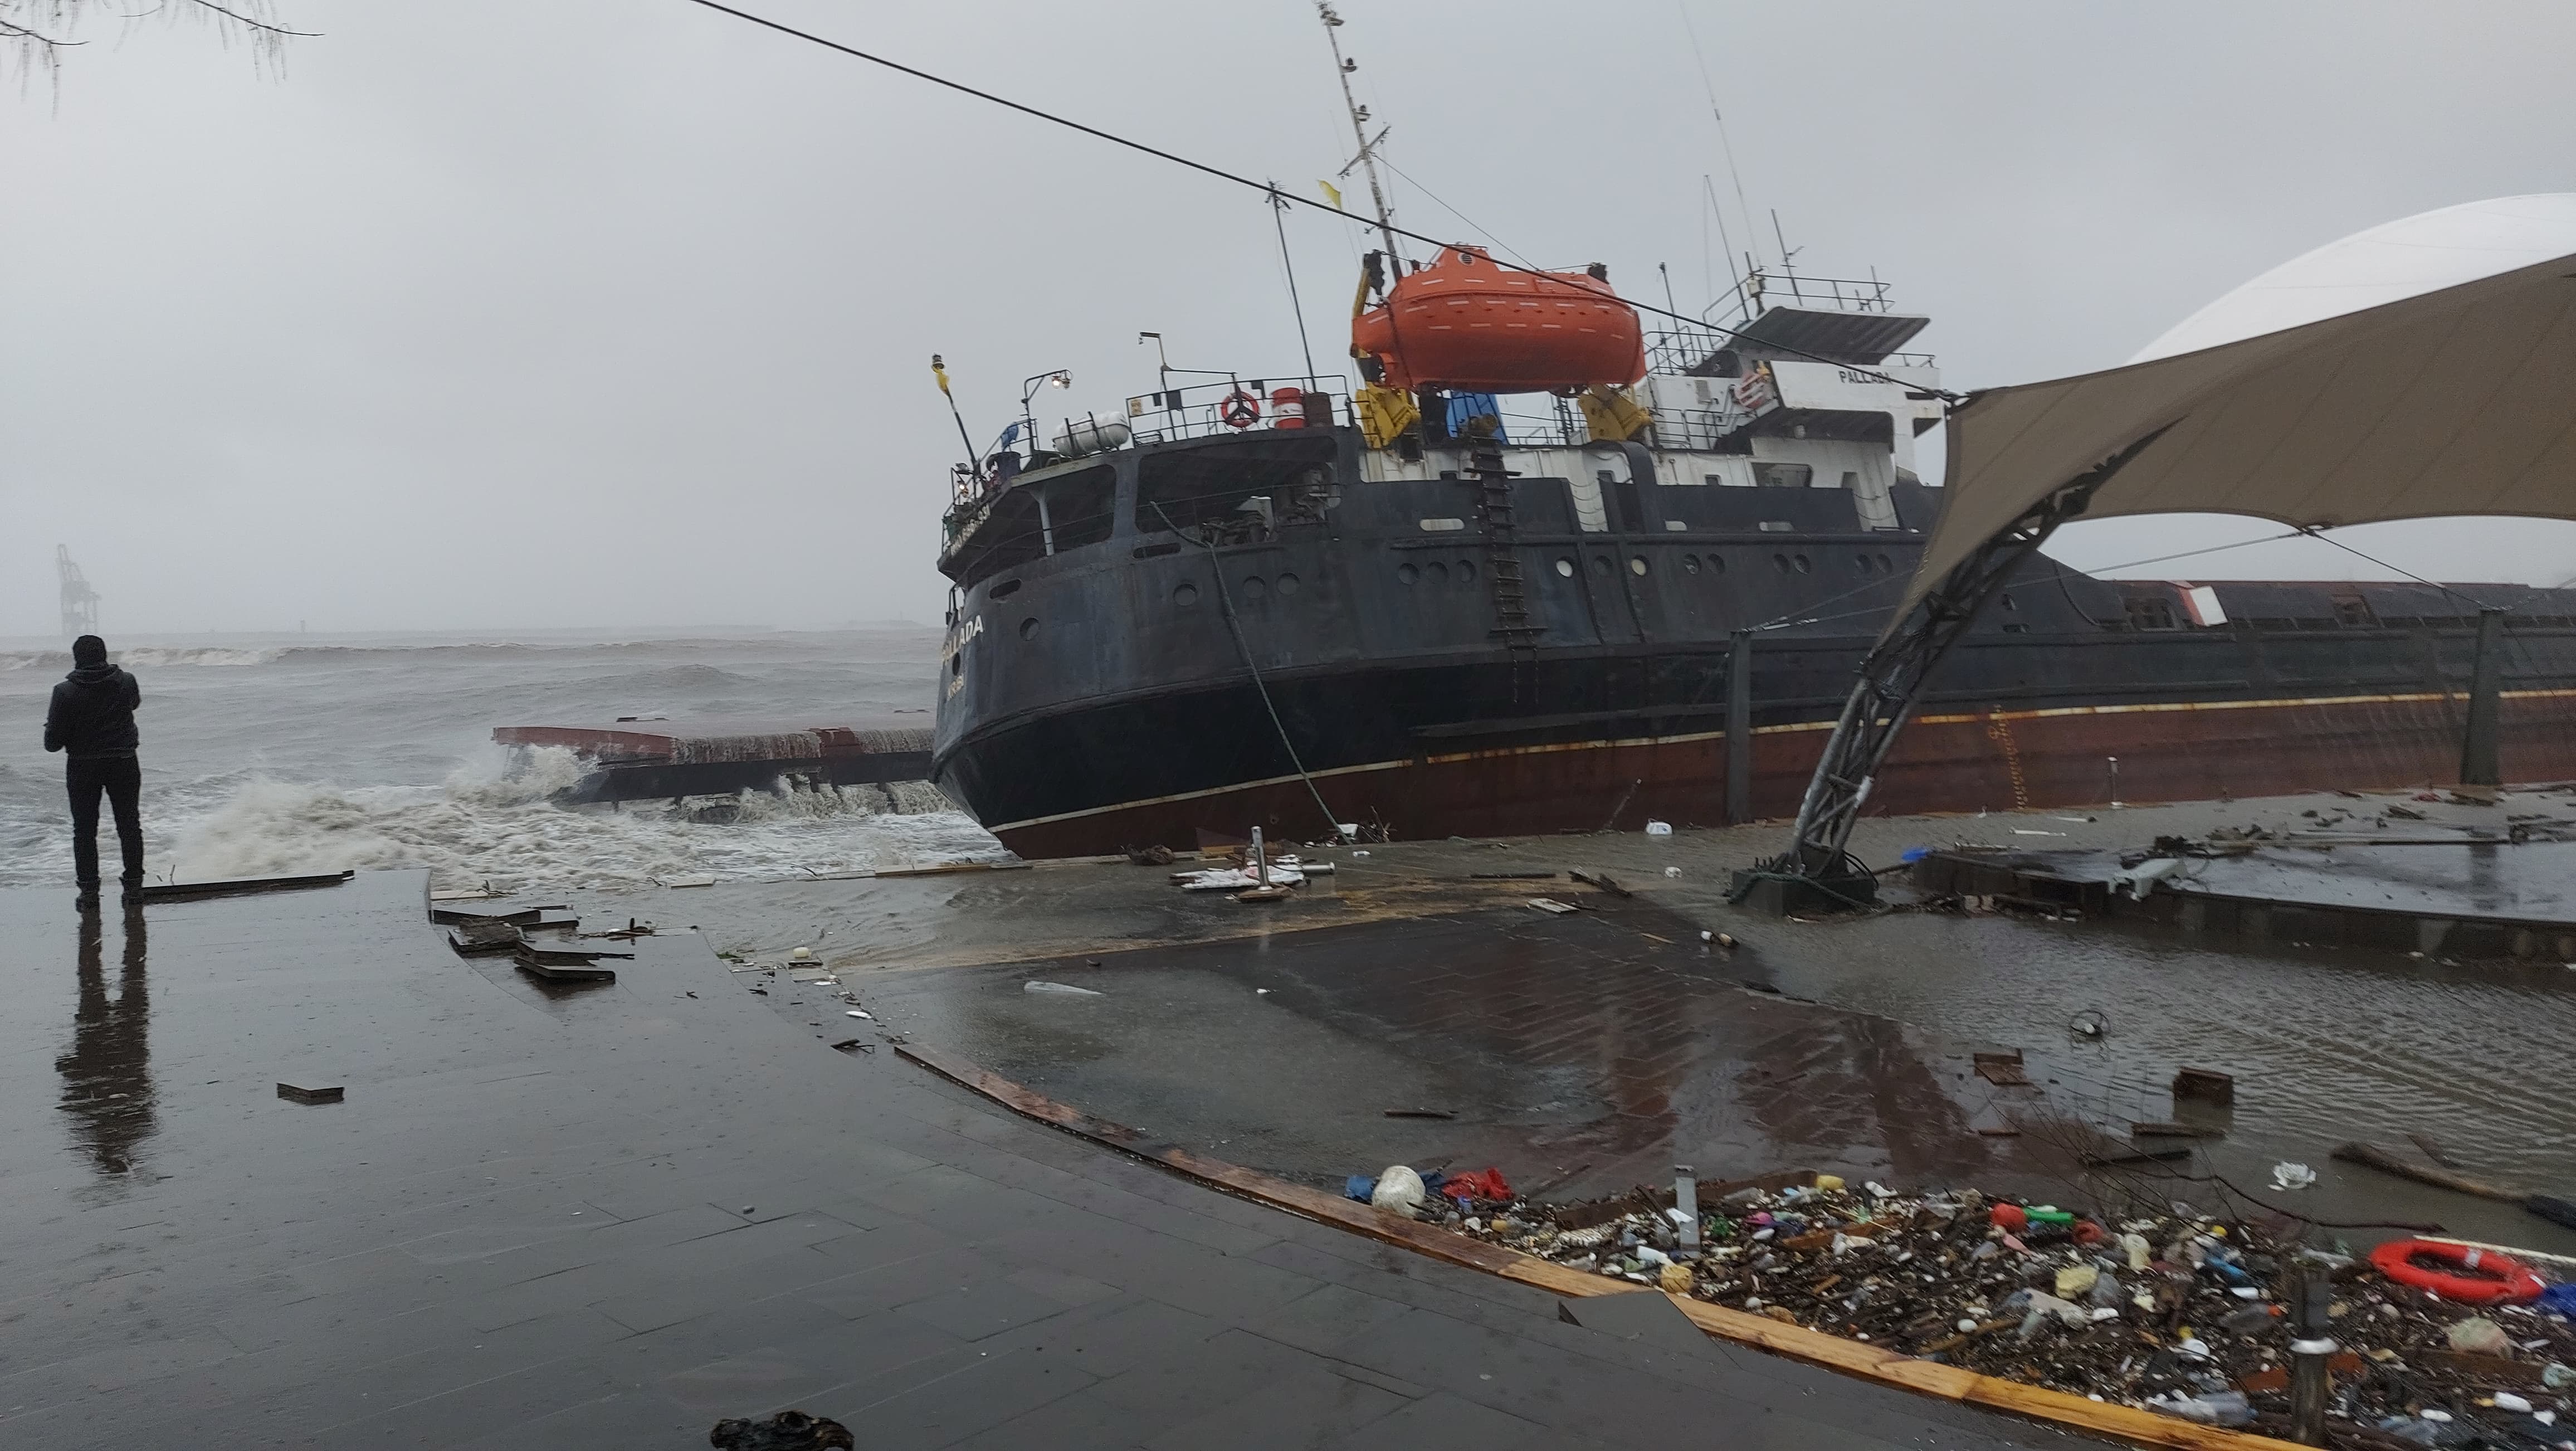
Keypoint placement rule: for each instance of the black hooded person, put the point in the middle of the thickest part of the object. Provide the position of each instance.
(92, 722)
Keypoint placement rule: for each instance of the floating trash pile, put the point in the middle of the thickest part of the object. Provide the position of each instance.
(2178, 1312)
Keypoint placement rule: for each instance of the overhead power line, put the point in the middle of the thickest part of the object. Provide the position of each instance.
(1221, 174)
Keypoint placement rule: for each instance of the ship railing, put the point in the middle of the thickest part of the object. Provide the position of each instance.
(1691, 351)
(1764, 288)
(1200, 410)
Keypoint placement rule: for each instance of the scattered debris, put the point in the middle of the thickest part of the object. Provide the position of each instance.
(312, 1092)
(2166, 1130)
(786, 1431)
(2287, 1175)
(2003, 1070)
(1065, 988)
(2167, 1309)
(1157, 855)
(2440, 1178)
(2205, 1086)
(1552, 906)
(1420, 1113)
(676, 882)
(1398, 1191)
(2090, 1023)
(1659, 828)
(1601, 880)
(485, 939)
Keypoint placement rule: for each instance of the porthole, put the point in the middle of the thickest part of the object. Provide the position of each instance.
(1029, 628)
(1406, 574)
(1886, 565)
(957, 663)
(1439, 572)
(2008, 603)
(1800, 561)
(1780, 562)
(1637, 564)
(1565, 567)
(1717, 564)
(1254, 587)
(1601, 565)
(1690, 564)
(1861, 563)
(1185, 593)
(1466, 571)
(1287, 584)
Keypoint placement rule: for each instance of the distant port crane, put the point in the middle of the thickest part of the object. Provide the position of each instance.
(80, 602)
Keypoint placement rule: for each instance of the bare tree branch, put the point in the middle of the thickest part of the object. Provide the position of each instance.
(36, 33)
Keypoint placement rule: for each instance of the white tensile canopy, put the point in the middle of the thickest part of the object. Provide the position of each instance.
(2457, 400)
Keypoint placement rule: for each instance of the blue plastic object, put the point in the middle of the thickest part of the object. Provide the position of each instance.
(1362, 1187)
(1915, 854)
(2559, 1299)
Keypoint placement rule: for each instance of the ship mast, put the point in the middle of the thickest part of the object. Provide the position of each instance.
(1359, 127)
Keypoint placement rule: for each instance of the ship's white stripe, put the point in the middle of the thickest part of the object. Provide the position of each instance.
(1966, 718)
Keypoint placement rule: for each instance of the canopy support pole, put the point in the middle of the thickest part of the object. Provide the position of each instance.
(1811, 873)
(2478, 763)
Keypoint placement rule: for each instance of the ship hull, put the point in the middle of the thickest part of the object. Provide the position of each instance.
(1110, 682)
(1675, 770)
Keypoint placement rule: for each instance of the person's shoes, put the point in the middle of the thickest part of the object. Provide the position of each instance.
(134, 891)
(87, 901)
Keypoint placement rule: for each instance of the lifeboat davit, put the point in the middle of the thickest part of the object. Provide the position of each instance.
(1463, 323)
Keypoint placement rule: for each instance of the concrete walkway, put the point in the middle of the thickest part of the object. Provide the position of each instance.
(608, 1217)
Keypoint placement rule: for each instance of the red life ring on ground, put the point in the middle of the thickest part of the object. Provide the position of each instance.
(2457, 1272)
(1239, 410)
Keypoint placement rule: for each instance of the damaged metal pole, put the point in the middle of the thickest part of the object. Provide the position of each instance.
(2310, 1354)
(1686, 1203)
(1260, 861)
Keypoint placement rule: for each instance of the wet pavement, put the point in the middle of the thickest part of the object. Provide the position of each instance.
(1587, 1052)
(2327, 1045)
(607, 1216)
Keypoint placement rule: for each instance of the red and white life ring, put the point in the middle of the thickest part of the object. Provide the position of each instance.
(1239, 410)
(2458, 1272)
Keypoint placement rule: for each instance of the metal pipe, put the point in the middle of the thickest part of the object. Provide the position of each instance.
(1686, 1200)
(2311, 1352)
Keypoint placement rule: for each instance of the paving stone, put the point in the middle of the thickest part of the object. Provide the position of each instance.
(1327, 1316)
(1444, 1422)
(972, 1312)
(1303, 1410)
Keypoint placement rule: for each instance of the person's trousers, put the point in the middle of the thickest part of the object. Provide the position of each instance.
(121, 779)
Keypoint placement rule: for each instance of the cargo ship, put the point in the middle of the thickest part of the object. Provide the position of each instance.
(1529, 571)
(1539, 570)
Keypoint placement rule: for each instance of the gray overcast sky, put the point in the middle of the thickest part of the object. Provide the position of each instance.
(519, 313)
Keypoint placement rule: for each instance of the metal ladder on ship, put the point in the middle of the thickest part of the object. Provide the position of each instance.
(1503, 566)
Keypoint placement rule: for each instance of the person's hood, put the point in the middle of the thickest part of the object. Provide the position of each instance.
(98, 674)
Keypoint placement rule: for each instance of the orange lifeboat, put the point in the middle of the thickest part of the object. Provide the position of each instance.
(1463, 323)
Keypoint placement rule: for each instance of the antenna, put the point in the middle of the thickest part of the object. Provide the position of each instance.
(1359, 128)
(80, 602)
(1725, 143)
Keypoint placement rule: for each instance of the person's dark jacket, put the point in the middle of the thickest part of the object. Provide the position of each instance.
(93, 713)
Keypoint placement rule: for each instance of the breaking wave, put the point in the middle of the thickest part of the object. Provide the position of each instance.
(506, 831)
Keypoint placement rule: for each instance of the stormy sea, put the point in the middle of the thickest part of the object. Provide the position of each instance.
(310, 753)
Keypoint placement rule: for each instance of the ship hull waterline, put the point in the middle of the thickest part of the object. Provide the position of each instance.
(1944, 761)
